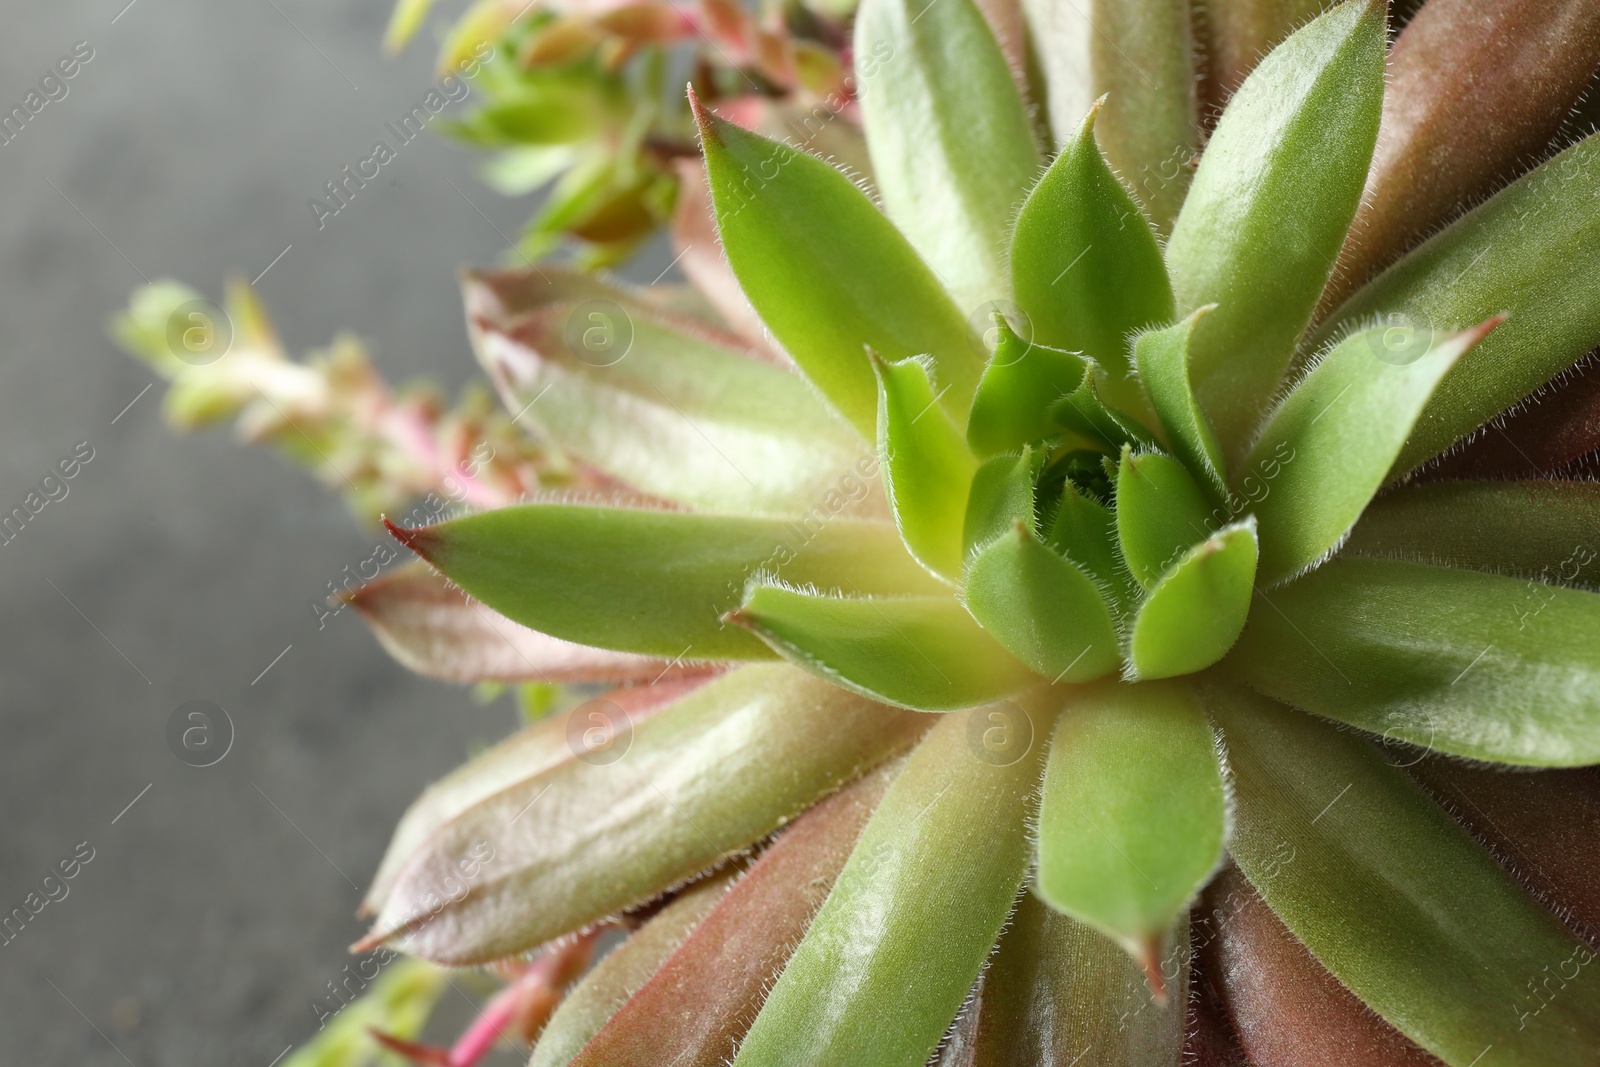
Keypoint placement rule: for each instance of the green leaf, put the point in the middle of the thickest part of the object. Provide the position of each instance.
(1085, 265)
(1058, 993)
(1161, 514)
(829, 275)
(922, 652)
(951, 156)
(1397, 901)
(655, 582)
(1533, 253)
(701, 1001)
(1343, 424)
(1161, 358)
(1234, 37)
(1085, 531)
(1001, 497)
(667, 407)
(1020, 384)
(1133, 813)
(1083, 412)
(601, 831)
(620, 974)
(915, 912)
(927, 467)
(1194, 615)
(1042, 607)
(404, 22)
(1544, 530)
(1472, 664)
(1275, 192)
(432, 628)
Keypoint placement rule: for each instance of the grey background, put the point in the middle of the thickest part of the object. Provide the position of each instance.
(208, 920)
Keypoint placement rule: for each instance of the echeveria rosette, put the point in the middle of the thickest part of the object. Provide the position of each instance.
(1110, 523)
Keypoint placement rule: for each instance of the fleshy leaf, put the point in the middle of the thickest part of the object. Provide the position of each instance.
(1472, 664)
(1161, 514)
(667, 407)
(1161, 358)
(1343, 424)
(655, 582)
(1284, 171)
(1132, 815)
(917, 908)
(701, 1001)
(520, 758)
(1195, 614)
(1396, 900)
(1042, 607)
(1531, 252)
(1472, 96)
(620, 823)
(1085, 531)
(1085, 265)
(829, 274)
(1084, 413)
(927, 467)
(1553, 431)
(435, 629)
(622, 972)
(951, 156)
(1060, 994)
(1486, 526)
(1019, 385)
(923, 652)
(1143, 57)
(1291, 1012)
(1540, 826)
(1001, 497)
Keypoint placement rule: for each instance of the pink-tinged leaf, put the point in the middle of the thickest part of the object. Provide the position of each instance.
(696, 1009)
(636, 810)
(436, 629)
(700, 257)
(1549, 430)
(1542, 827)
(523, 756)
(1477, 89)
(1288, 1010)
(623, 971)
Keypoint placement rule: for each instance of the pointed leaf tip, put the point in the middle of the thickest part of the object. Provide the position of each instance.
(414, 539)
(1148, 954)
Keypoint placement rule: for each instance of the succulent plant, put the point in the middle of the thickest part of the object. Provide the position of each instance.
(1074, 598)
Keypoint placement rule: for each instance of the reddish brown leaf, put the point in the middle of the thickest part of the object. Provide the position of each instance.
(1235, 34)
(1546, 433)
(436, 629)
(1543, 826)
(698, 1006)
(1477, 88)
(1286, 1008)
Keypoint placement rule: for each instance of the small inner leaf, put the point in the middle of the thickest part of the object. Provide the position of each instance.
(1133, 813)
(1161, 513)
(927, 467)
(1162, 360)
(1001, 497)
(1085, 264)
(1021, 382)
(1196, 613)
(924, 653)
(1085, 531)
(1043, 608)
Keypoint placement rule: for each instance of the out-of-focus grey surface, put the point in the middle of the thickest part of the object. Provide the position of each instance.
(218, 905)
